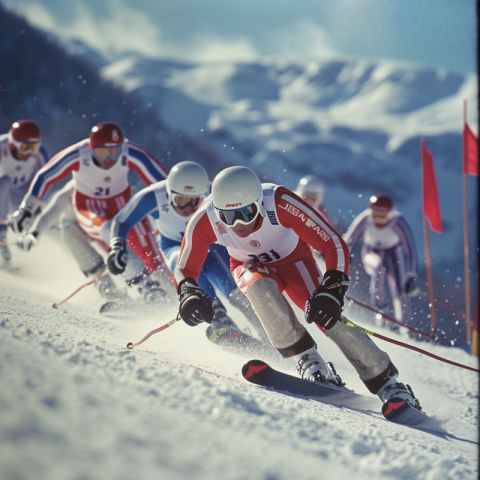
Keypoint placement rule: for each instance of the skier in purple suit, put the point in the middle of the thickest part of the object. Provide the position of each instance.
(388, 253)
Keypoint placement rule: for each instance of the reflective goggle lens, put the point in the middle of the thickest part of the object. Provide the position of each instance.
(181, 201)
(29, 147)
(380, 215)
(102, 153)
(243, 215)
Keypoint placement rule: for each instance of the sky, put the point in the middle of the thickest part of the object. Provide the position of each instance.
(437, 33)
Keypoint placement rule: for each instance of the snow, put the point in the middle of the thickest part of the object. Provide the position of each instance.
(76, 404)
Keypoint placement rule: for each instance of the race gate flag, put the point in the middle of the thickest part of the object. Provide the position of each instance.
(470, 151)
(431, 203)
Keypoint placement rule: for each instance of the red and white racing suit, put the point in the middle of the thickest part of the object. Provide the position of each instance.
(99, 194)
(277, 248)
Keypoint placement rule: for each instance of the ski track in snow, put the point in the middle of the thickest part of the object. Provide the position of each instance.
(76, 404)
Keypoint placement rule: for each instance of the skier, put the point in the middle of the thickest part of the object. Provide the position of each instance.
(100, 166)
(267, 230)
(312, 189)
(388, 252)
(21, 156)
(172, 202)
(59, 214)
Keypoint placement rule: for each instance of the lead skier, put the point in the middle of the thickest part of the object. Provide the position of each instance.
(267, 230)
(99, 166)
(172, 202)
(22, 155)
(388, 253)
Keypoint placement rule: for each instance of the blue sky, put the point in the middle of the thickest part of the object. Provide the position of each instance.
(438, 33)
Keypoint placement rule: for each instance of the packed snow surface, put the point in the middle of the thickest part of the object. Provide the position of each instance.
(77, 405)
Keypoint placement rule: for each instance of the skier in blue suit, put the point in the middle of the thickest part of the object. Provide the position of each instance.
(172, 203)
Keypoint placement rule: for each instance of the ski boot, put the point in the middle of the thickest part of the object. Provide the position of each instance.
(152, 292)
(108, 290)
(397, 398)
(312, 367)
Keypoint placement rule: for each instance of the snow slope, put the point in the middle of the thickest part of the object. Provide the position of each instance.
(76, 404)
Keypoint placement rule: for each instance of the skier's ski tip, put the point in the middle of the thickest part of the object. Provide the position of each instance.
(254, 367)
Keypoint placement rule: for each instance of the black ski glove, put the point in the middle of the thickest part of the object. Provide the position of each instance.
(325, 305)
(411, 287)
(196, 306)
(21, 219)
(117, 256)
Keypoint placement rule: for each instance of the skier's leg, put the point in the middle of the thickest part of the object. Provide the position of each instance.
(217, 271)
(4, 210)
(397, 277)
(263, 288)
(373, 265)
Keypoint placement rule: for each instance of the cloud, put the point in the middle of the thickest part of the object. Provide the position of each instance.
(124, 28)
(213, 49)
(305, 39)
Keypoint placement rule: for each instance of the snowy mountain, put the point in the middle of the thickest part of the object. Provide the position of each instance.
(357, 124)
(76, 404)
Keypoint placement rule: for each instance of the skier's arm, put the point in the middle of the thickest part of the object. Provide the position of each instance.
(146, 165)
(60, 165)
(53, 210)
(356, 229)
(408, 244)
(141, 204)
(310, 226)
(198, 237)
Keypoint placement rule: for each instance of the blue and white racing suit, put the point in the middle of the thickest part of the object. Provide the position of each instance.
(153, 201)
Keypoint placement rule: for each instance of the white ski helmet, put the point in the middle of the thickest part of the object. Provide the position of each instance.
(238, 196)
(188, 179)
(311, 187)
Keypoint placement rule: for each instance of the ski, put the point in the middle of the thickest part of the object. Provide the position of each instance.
(396, 410)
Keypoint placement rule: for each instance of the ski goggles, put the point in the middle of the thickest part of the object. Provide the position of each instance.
(25, 147)
(181, 201)
(244, 215)
(380, 215)
(102, 153)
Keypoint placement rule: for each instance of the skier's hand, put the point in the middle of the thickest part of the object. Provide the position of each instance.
(325, 305)
(20, 219)
(117, 256)
(27, 241)
(195, 305)
(411, 286)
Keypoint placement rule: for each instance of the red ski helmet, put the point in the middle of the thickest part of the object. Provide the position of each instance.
(106, 134)
(381, 203)
(24, 131)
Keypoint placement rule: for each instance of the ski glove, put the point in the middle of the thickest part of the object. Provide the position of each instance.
(411, 286)
(20, 219)
(117, 256)
(27, 241)
(196, 306)
(325, 305)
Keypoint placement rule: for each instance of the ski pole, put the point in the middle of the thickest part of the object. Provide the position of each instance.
(130, 345)
(56, 305)
(401, 344)
(388, 317)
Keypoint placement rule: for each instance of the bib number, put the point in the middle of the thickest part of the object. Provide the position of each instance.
(102, 192)
(265, 257)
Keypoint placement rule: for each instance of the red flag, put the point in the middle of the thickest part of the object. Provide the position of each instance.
(431, 203)
(470, 151)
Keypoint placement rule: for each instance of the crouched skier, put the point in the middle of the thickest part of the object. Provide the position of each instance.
(267, 230)
(172, 202)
